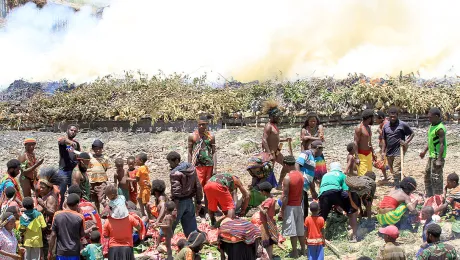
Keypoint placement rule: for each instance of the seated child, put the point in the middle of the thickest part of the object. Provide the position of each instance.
(194, 244)
(93, 251)
(391, 249)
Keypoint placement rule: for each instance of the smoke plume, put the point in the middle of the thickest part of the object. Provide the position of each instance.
(244, 40)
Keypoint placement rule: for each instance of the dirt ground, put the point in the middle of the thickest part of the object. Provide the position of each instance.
(234, 147)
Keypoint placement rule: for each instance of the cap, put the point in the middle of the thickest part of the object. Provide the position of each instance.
(98, 143)
(196, 238)
(391, 231)
(335, 166)
(317, 144)
(30, 140)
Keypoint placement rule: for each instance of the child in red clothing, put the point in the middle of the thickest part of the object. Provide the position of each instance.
(132, 174)
(314, 232)
(267, 214)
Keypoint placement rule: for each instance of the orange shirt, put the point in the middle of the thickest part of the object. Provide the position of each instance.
(120, 231)
(143, 174)
(314, 225)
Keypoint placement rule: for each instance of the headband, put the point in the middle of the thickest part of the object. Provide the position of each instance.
(30, 140)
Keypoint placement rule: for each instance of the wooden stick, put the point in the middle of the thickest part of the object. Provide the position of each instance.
(333, 248)
(290, 148)
(402, 160)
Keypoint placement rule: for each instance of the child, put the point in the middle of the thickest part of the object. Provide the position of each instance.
(122, 179)
(351, 169)
(93, 251)
(267, 214)
(194, 244)
(181, 244)
(427, 215)
(166, 226)
(381, 120)
(391, 249)
(314, 232)
(31, 224)
(97, 173)
(143, 178)
(132, 175)
(452, 197)
(10, 200)
(156, 210)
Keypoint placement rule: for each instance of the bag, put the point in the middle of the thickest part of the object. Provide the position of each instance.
(362, 185)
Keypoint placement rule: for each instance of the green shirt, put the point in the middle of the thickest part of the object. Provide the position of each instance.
(433, 140)
(93, 252)
(333, 180)
(439, 251)
(224, 179)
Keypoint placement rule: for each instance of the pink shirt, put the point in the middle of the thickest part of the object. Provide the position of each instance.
(8, 243)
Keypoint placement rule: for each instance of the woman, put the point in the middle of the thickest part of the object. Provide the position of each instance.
(118, 229)
(394, 205)
(220, 190)
(261, 169)
(47, 199)
(239, 239)
(8, 241)
(29, 165)
(311, 131)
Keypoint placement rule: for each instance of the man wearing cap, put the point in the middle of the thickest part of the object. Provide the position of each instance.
(306, 164)
(67, 158)
(333, 191)
(29, 166)
(391, 250)
(80, 176)
(363, 143)
(396, 134)
(97, 173)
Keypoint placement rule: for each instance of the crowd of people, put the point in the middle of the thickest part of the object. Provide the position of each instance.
(75, 212)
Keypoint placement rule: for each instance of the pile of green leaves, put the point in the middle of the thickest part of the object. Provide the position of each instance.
(178, 97)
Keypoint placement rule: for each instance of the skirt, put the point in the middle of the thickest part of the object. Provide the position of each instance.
(121, 253)
(239, 251)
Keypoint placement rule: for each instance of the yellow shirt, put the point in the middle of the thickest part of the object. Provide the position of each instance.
(97, 170)
(33, 233)
(143, 174)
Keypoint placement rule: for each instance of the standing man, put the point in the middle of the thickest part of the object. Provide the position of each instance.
(184, 187)
(271, 137)
(202, 152)
(29, 166)
(437, 148)
(67, 230)
(67, 158)
(363, 143)
(394, 136)
(291, 208)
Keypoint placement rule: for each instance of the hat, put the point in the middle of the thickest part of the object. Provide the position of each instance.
(391, 231)
(98, 143)
(118, 208)
(335, 166)
(30, 140)
(195, 239)
(317, 144)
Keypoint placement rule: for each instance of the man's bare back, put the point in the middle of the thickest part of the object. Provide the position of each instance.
(363, 137)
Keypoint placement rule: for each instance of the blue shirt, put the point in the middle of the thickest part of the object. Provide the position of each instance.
(307, 163)
(392, 134)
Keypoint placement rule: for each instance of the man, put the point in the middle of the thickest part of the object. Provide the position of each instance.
(333, 192)
(437, 249)
(437, 147)
(202, 152)
(29, 166)
(363, 143)
(67, 229)
(80, 177)
(67, 158)
(97, 173)
(306, 164)
(394, 136)
(291, 209)
(271, 137)
(185, 186)
(9, 180)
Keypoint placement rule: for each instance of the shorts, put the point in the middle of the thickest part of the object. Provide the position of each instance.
(144, 195)
(33, 253)
(98, 191)
(218, 195)
(357, 200)
(204, 173)
(365, 164)
(334, 198)
(124, 193)
(60, 257)
(293, 221)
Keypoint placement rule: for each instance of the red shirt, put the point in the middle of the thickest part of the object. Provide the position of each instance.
(314, 225)
(120, 231)
(269, 205)
(295, 188)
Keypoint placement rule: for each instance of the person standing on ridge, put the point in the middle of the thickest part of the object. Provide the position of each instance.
(29, 166)
(365, 154)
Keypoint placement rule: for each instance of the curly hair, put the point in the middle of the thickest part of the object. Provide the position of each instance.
(158, 186)
(408, 185)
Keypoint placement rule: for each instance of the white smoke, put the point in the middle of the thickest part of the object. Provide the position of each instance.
(244, 40)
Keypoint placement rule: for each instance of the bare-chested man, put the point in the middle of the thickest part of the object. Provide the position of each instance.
(271, 137)
(363, 143)
(29, 166)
